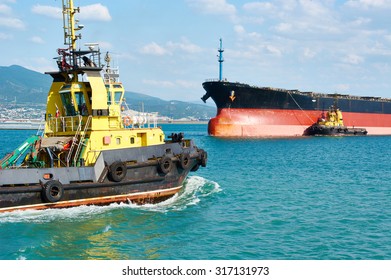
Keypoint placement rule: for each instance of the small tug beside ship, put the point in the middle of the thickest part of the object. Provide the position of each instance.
(331, 124)
(89, 152)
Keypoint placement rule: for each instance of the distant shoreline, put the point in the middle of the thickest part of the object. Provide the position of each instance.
(182, 122)
(36, 127)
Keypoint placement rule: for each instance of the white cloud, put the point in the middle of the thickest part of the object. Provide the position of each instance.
(37, 40)
(95, 12)
(105, 45)
(170, 47)
(259, 7)
(11, 23)
(366, 4)
(239, 29)
(294, 16)
(388, 37)
(154, 49)
(284, 27)
(49, 11)
(214, 7)
(273, 50)
(360, 21)
(353, 59)
(289, 5)
(4, 9)
(4, 36)
(40, 64)
(185, 45)
(308, 53)
(314, 8)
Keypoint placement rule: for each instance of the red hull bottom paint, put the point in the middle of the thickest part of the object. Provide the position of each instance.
(286, 123)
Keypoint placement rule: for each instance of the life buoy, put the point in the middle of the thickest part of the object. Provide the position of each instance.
(117, 171)
(165, 164)
(52, 191)
(184, 160)
(127, 121)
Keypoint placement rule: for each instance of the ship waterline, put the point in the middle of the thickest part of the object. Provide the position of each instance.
(247, 111)
(282, 123)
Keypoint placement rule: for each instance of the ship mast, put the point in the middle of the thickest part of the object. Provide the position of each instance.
(221, 60)
(70, 36)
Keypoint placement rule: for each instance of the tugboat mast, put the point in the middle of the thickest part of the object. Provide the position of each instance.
(221, 60)
(70, 37)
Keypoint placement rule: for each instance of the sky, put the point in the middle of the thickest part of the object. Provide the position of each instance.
(168, 48)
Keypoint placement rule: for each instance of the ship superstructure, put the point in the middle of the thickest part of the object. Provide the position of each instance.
(90, 152)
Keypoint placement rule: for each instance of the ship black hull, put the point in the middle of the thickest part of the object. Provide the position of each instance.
(247, 111)
(123, 177)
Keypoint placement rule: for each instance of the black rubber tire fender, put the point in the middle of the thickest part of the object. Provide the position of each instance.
(195, 167)
(117, 171)
(184, 161)
(52, 191)
(204, 158)
(165, 164)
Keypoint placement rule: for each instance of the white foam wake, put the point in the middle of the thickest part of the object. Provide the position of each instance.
(195, 189)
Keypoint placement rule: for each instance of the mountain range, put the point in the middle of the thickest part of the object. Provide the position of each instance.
(21, 85)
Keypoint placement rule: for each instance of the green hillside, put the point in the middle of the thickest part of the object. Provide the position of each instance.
(23, 84)
(27, 86)
(173, 109)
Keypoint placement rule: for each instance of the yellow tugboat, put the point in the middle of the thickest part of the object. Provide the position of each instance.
(332, 124)
(89, 153)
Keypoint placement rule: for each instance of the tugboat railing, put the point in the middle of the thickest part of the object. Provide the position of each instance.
(66, 124)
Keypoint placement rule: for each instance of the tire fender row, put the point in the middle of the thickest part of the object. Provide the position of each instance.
(53, 190)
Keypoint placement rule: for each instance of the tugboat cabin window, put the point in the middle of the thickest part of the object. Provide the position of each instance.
(67, 102)
(117, 97)
(131, 140)
(81, 103)
(118, 141)
(108, 95)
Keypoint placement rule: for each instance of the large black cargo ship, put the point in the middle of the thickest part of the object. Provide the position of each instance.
(250, 111)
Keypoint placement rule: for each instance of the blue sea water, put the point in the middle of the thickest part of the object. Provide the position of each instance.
(281, 199)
